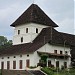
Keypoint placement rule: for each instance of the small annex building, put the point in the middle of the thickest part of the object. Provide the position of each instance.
(34, 36)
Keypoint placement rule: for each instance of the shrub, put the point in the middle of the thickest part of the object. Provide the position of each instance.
(32, 67)
(47, 71)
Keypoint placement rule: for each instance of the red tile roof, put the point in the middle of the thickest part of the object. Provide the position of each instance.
(34, 15)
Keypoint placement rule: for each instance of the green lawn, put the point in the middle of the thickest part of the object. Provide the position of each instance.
(52, 71)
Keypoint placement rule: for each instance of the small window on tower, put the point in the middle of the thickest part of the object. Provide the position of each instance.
(18, 32)
(36, 30)
(21, 39)
(26, 30)
(61, 52)
(55, 51)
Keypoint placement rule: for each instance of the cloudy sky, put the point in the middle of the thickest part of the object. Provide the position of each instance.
(60, 11)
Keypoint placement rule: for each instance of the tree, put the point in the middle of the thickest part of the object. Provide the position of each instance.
(4, 42)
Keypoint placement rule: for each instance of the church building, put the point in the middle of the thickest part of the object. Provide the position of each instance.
(35, 35)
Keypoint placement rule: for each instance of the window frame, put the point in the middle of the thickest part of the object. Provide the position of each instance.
(2, 65)
(26, 30)
(55, 51)
(8, 65)
(20, 64)
(61, 52)
(14, 64)
(21, 39)
(36, 30)
(18, 32)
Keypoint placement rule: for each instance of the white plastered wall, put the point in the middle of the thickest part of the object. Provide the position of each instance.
(24, 57)
(28, 37)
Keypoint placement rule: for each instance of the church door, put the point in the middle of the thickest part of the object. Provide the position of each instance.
(57, 64)
(27, 63)
(65, 64)
(49, 63)
(2, 65)
(8, 64)
(14, 64)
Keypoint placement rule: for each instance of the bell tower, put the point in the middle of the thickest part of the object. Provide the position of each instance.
(30, 24)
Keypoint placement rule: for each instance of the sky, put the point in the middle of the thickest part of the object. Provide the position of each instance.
(60, 11)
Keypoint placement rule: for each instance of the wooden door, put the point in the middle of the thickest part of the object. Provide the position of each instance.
(8, 64)
(27, 63)
(57, 64)
(65, 64)
(14, 64)
(49, 63)
(2, 65)
(20, 64)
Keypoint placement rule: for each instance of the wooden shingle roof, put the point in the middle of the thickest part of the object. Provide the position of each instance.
(34, 15)
(47, 35)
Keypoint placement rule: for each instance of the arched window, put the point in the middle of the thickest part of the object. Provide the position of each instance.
(36, 30)
(55, 51)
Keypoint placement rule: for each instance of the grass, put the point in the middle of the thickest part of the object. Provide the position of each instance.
(51, 71)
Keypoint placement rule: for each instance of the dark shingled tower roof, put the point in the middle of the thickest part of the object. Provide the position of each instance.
(34, 15)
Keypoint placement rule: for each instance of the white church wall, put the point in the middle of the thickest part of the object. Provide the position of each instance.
(17, 59)
(50, 48)
(28, 37)
(36, 58)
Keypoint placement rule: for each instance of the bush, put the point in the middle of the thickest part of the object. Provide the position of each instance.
(47, 71)
(53, 71)
(32, 67)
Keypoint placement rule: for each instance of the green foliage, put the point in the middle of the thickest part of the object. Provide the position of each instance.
(4, 42)
(32, 67)
(47, 71)
(44, 57)
(43, 60)
(51, 71)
